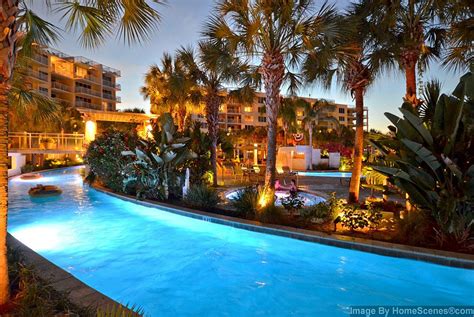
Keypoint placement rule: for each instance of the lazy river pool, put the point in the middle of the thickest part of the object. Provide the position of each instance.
(173, 265)
(326, 174)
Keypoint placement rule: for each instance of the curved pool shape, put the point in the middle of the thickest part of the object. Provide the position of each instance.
(326, 174)
(308, 199)
(173, 265)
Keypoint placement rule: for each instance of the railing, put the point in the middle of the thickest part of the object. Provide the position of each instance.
(108, 69)
(110, 97)
(60, 86)
(24, 141)
(88, 91)
(87, 77)
(40, 59)
(38, 75)
(62, 101)
(88, 105)
(111, 85)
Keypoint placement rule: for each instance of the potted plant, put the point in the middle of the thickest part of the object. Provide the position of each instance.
(47, 143)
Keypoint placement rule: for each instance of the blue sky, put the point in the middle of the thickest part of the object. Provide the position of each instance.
(181, 25)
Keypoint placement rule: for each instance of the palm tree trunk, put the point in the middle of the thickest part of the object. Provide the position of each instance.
(212, 118)
(310, 134)
(285, 143)
(8, 35)
(409, 62)
(358, 147)
(273, 70)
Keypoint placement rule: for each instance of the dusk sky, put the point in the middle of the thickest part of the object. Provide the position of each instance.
(181, 25)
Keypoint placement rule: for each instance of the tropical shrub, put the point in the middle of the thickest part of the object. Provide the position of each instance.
(105, 160)
(200, 144)
(416, 228)
(270, 214)
(433, 163)
(202, 196)
(156, 169)
(246, 202)
(320, 213)
(292, 203)
(353, 217)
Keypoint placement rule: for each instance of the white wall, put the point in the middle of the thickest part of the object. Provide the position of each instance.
(18, 161)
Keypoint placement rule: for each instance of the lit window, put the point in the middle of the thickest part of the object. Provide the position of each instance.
(248, 109)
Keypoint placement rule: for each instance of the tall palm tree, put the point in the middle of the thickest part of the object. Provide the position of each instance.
(20, 28)
(412, 33)
(169, 89)
(210, 67)
(356, 60)
(275, 34)
(314, 114)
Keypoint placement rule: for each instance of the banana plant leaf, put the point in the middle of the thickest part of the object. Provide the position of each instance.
(423, 153)
(417, 123)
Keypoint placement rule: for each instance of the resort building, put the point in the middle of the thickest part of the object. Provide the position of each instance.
(75, 80)
(235, 116)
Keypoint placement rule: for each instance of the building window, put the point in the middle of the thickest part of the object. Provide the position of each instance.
(342, 119)
(43, 90)
(299, 122)
(262, 119)
(248, 109)
(261, 100)
(300, 113)
(342, 110)
(262, 109)
(248, 127)
(248, 118)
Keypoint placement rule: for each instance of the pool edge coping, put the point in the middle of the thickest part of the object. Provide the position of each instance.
(75, 290)
(441, 257)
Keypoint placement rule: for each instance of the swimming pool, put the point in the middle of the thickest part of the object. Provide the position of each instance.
(326, 174)
(173, 265)
(308, 199)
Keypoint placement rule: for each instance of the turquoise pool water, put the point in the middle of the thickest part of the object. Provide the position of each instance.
(326, 174)
(178, 266)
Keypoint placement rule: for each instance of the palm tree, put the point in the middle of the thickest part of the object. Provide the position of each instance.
(210, 68)
(287, 114)
(275, 34)
(431, 94)
(457, 16)
(356, 60)
(169, 89)
(21, 27)
(313, 115)
(412, 34)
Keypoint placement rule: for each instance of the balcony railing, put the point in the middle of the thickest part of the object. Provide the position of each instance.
(111, 84)
(62, 101)
(88, 91)
(60, 86)
(23, 141)
(233, 109)
(40, 59)
(88, 105)
(108, 69)
(110, 97)
(88, 78)
(38, 75)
